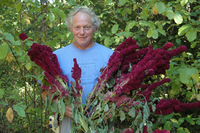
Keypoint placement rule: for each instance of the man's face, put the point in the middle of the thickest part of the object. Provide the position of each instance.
(82, 30)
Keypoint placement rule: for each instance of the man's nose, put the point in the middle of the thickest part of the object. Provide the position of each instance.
(82, 31)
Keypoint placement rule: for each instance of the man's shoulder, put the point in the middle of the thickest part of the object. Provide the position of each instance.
(63, 49)
(103, 48)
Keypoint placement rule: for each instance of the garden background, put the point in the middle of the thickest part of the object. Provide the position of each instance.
(149, 22)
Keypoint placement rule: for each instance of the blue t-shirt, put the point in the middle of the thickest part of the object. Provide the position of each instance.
(89, 60)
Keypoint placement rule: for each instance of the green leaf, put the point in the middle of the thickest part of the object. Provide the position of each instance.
(3, 50)
(161, 32)
(181, 120)
(150, 33)
(106, 108)
(122, 2)
(165, 118)
(18, 6)
(178, 18)
(1, 93)
(170, 14)
(185, 75)
(9, 37)
(18, 50)
(122, 115)
(160, 7)
(144, 15)
(14, 43)
(51, 17)
(28, 66)
(151, 25)
(193, 45)
(115, 28)
(132, 112)
(29, 42)
(107, 41)
(20, 111)
(62, 14)
(155, 34)
(183, 2)
(191, 34)
(198, 122)
(190, 120)
(168, 126)
(183, 29)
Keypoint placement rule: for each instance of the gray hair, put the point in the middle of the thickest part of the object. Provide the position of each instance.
(94, 18)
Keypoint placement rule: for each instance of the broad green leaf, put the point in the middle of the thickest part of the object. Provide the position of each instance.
(106, 108)
(183, 2)
(198, 122)
(14, 43)
(161, 32)
(186, 130)
(18, 50)
(198, 97)
(143, 23)
(29, 42)
(9, 37)
(155, 34)
(122, 115)
(1, 93)
(193, 45)
(183, 29)
(190, 95)
(181, 120)
(144, 15)
(190, 120)
(62, 14)
(151, 25)
(170, 14)
(160, 7)
(115, 28)
(191, 34)
(178, 18)
(195, 76)
(19, 6)
(3, 50)
(20, 111)
(165, 118)
(122, 2)
(51, 17)
(168, 126)
(185, 75)
(150, 33)
(107, 41)
(132, 112)
(28, 66)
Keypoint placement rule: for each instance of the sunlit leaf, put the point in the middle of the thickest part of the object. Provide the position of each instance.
(191, 34)
(106, 108)
(162, 32)
(28, 66)
(183, 2)
(198, 97)
(122, 2)
(150, 33)
(28, 21)
(122, 115)
(155, 34)
(190, 120)
(170, 14)
(178, 18)
(193, 45)
(144, 15)
(132, 112)
(51, 17)
(160, 7)
(183, 29)
(106, 41)
(19, 6)
(3, 50)
(115, 28)
(9, 37)
(20, 111)
(9, 57)
(18, 50)
(9, 114)
(168, 126)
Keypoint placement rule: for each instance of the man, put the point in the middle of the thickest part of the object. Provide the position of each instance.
(90, 55)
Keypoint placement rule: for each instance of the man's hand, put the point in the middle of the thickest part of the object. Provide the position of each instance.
(68, 111)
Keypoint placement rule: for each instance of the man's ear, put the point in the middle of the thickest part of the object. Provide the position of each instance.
(94, 29)
(70, 29)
